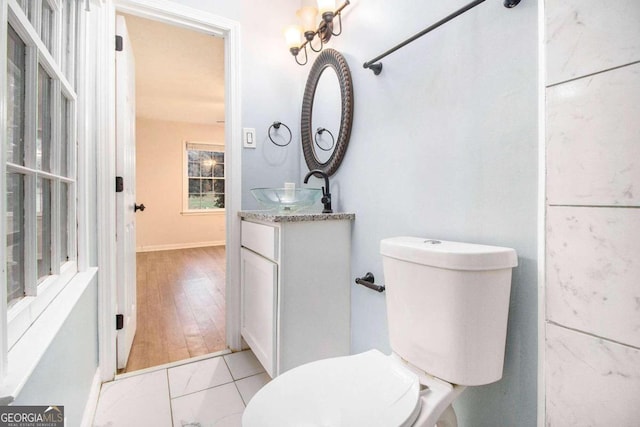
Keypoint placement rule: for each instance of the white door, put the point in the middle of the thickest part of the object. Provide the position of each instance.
(126, 199)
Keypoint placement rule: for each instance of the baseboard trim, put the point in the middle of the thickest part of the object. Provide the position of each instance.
(92, 401)
(174, 246)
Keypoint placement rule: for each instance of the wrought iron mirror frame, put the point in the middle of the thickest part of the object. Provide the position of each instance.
(334, 59)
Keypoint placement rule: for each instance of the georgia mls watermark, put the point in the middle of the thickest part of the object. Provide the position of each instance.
(31, 416)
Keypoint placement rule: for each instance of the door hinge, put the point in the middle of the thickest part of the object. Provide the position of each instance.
(119, 184)
(119, 44)
(119, 321)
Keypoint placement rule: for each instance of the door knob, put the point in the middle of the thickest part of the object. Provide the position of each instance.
(139, 207)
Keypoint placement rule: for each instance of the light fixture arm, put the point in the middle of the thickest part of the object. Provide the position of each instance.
(296, 50)
(339, 24)
(309, 40)
(324, 32)
(338, 12)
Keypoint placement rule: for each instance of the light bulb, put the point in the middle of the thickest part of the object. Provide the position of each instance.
(293, 36)
(307, 16)
(326, 6)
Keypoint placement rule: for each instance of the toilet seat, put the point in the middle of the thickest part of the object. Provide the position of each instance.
(366, 389)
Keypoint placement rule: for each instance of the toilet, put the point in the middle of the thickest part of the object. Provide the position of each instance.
(447, 307)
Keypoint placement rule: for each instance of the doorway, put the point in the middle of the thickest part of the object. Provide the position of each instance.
(180, 306)
(103, 33)
(180, 180)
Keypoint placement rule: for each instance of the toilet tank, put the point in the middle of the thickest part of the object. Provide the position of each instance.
(447, 306)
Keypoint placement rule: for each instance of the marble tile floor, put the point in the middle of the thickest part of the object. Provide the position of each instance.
(208, 392)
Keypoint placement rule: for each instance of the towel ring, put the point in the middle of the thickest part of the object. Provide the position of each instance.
(320, 131)
(276, 126)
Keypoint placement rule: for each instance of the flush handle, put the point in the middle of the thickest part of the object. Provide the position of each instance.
(368, 281)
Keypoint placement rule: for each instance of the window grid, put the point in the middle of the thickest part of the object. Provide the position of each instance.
(204, 177)
(40, 165)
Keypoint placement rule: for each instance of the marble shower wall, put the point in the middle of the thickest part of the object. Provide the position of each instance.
(593, 125)
(592, 358)
(590, 381)
(593, 271)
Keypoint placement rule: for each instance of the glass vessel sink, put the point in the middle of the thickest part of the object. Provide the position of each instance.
(286, 200)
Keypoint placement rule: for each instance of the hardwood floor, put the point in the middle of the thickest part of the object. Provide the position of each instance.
(181, 306)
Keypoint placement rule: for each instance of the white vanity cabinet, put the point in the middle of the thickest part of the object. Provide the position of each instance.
(295, 284)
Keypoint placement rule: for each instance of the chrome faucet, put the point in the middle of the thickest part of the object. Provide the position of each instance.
(326, 194)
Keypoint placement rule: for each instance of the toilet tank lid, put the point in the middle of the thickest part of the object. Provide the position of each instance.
(449, 255)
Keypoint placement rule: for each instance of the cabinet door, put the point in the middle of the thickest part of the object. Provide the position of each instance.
(259, 280)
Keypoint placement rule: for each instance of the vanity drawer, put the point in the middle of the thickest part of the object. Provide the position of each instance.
(260, 238)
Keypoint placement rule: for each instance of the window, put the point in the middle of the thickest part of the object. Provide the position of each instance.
(39, 156)
(203, 177)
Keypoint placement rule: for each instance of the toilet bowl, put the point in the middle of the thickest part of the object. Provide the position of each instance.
(447, 307)
(367, 389)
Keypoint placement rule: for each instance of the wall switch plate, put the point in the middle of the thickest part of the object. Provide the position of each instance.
(249, 137)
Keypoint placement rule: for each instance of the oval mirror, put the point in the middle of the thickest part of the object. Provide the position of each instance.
(327, 112)
(325, 116)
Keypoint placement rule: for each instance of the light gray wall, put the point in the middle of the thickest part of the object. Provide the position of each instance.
(65, 373)
(444, 145)
(270, 92)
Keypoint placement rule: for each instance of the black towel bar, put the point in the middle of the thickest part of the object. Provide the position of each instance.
(374, 64)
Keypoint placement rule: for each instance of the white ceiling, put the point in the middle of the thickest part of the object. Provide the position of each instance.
(179, 72)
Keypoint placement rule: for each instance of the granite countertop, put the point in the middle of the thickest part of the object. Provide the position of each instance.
(296, 217)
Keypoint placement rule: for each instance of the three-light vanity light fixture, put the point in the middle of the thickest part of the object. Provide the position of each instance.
(310, 29)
